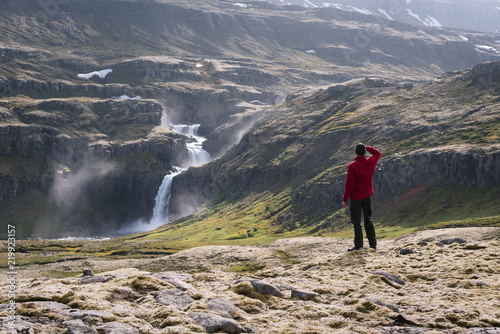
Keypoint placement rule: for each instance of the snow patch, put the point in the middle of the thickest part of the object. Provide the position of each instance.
(126, 97)
(310, 51)
(242, 5)
(414, 15)
(101, 74)
(432, 21)
(487, 47)
(199, 65)
(334, 5)
(385, 13)
(429, 21)
(463, 37)
(309, 2)
(363, 11)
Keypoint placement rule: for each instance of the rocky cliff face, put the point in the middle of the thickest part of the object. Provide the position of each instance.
(110, 155)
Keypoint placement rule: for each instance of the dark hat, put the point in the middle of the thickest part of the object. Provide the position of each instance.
(360, 149)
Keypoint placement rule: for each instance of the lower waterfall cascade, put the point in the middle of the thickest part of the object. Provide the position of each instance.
(197, 156)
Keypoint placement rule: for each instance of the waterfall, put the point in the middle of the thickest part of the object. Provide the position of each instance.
(197, 156)
(162, 200)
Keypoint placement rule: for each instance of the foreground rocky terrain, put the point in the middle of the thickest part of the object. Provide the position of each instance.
(440, 281)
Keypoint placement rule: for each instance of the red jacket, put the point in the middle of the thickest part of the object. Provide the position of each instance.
(359, 183)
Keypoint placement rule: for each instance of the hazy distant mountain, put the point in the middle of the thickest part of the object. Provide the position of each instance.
(470, 15)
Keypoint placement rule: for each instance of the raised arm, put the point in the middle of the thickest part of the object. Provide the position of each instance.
(374, 152)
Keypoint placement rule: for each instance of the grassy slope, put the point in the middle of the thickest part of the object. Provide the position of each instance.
(298, 128)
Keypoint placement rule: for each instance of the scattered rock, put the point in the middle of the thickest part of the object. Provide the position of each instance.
(406, 251)
(381, 303)
(77, 327)
(176, 280)
(126, 294)
(88, 272)
(449, 241)
(213, 323)
(19, 327)
(173, 297)
(495, 330)
(224, 307)
(401, 320)
(390, 277)
(250, 329)
(263, 288)
(90, 316)
(283, 287)
(116, 328)
(474, 247)
(96, 279)
(304, 295)
(422, 243)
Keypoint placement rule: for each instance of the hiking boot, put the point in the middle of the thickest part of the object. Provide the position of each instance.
(354, 248)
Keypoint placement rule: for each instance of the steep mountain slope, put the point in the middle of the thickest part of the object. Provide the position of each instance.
(441, 161)
(219, 64)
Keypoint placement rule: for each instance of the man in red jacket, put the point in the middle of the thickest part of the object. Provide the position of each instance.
(359, 188)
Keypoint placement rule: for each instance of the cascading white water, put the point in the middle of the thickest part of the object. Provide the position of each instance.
(197, 156)
(162, 200)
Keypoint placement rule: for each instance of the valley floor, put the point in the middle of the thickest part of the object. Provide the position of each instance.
(440, 281)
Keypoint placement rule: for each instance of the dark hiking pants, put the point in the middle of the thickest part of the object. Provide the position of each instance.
(363, 206)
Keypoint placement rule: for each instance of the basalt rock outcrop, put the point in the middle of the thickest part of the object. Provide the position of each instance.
(108, 155)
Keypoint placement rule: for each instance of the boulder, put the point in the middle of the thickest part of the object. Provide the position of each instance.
(173, 297)
(381, 303)
(263, 287)
(491, 330)
(406, 251)
(176, 280)
(116, 328)
(390, 277)
(19, 326)
(304, 295)
(214, 323)
(449, 241)
(224, 307)
(77, 327)
(96, 279)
